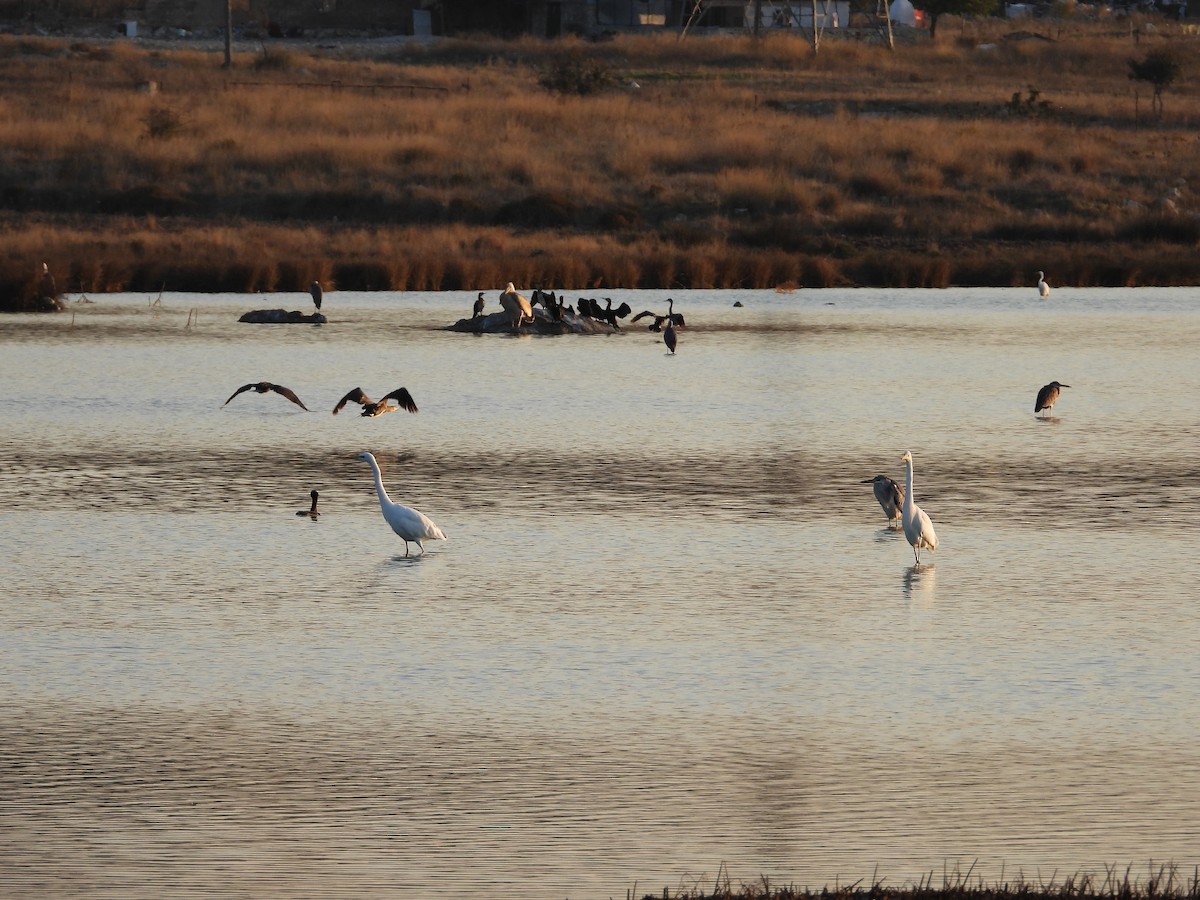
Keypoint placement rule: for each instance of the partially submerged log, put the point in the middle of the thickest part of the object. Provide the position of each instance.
(281, 317)
(543, 323)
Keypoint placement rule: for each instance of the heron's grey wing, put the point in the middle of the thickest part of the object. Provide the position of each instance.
(244, 387)
(404, 398)
(354, 396)
(289, 393)
(1043, 396)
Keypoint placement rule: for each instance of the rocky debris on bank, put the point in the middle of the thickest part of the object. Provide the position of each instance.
(543, 323)
(282, 317)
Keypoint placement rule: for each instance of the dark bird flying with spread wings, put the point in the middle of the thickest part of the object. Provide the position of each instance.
(372, 408)
(263, 387)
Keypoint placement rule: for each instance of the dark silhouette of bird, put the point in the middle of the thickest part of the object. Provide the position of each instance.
(659, 321)
(670, 338)
(676, 318)
(317, 293)
(263, 387)
(656, 325)
(1048, 396)
(613, 316)
(477, 309)
(374, 408)
(889, 494)
(311, 512)
(46, 287)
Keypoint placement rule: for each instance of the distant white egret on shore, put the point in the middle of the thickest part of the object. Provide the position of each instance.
(1048, 396)
(407, 522)
(889, 494)
(917, 526)
(516, 305)
(1043, 288)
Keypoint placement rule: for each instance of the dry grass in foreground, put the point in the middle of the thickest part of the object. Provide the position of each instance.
(711, 162)
(1164, 882)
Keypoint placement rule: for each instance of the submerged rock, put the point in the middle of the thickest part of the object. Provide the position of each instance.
(281, 317)
(543, 323)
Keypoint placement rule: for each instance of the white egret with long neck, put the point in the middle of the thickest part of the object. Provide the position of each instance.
(412, 525)
(917, 526)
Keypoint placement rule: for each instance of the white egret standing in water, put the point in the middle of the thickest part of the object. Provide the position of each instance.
(917, 527)
(1043, 288)
(407, 522)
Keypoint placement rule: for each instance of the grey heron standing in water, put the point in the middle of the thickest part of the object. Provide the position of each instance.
(889, 494)
(1048, 396)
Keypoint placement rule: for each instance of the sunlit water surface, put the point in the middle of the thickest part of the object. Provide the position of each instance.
(669, 632)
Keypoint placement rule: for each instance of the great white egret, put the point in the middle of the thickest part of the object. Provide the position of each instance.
(889, 494)
(670, 338)
(263, 387)
(1048, 396)
(311, 512)
(377, 408)
(407, 522)
(317, 293)
(1043, 288)
(917, 527)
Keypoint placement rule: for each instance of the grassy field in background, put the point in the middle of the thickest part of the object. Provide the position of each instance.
(715, 161)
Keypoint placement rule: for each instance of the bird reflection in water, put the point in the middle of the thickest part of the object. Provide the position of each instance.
(920, 583)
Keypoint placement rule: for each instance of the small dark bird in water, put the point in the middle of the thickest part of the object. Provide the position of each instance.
(477, 309)
(670, 338)
(373, 408)
(1048, 396)
(311, 512)
(317, 293)
(889, 494)
(263, 387)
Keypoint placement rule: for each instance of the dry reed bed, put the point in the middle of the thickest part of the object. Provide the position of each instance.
(731, 163)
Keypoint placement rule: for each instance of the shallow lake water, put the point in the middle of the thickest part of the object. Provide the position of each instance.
(670, 631)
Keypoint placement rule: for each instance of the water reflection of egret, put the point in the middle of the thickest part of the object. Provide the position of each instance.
(919, 584)
(917, 526)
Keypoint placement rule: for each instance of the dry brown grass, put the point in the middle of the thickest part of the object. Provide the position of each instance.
(733, 163)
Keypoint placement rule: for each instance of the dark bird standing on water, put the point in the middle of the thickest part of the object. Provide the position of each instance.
(263, 386)
(477, 309)
(670, 338)
(889, 494)
(317, 293)
(1048, 396)
(311, 512)
(377, 408)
